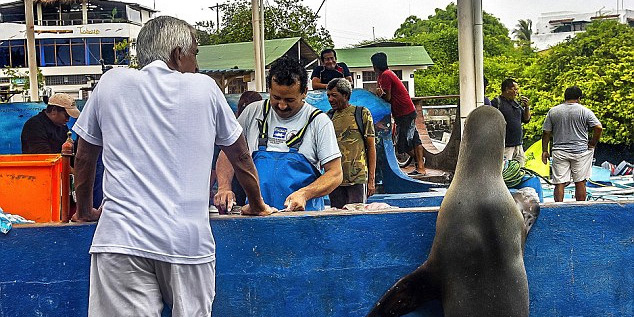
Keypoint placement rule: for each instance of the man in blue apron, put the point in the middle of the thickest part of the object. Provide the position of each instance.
(291, 143)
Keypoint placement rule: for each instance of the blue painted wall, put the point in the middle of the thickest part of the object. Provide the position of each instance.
(12, 118)
(579, 260)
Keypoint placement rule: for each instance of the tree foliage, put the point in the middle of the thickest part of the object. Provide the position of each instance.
(600, 61)
(439, 35)
(286, 18)
(523, 30)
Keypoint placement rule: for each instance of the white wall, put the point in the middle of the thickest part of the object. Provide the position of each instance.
(408, 75)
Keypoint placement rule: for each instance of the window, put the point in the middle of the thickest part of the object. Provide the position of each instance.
(62, 52)
(17, 53)
(107, 50)
(93, 51)
(121, 55)
(68, 79)
(369, 76)
(237, 86)
(78, 52)
(369, 79)
(4, 54)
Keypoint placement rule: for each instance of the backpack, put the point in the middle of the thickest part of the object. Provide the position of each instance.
(495, 102)
(358, 118)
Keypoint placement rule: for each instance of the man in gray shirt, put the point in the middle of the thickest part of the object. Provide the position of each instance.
(571, 153)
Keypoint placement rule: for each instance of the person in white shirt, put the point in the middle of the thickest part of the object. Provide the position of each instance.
(291, 142)
(157, 127)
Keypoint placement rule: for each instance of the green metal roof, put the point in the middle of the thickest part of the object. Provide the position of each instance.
(241, 55)
(396, 56)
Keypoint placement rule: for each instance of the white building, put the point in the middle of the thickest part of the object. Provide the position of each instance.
(71, 38)
(402, 59)
(553, 28)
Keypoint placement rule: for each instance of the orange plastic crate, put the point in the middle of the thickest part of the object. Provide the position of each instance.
(30, 186)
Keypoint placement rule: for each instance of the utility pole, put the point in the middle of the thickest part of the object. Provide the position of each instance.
(217, 8)
(257, 11)
(30, 49)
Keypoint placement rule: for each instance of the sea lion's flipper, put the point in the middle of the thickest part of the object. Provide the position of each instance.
(407, 294)
(528, 201)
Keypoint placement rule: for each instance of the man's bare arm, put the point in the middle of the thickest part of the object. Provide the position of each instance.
(371, 156)
(85, 169)
(596, 135)
(317, 84)
(240, 158)
(545, 141)
(324, 185)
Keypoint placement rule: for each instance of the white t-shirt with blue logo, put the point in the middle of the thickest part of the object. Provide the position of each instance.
(319, 144)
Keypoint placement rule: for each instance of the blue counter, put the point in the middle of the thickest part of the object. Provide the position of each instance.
(579, 260)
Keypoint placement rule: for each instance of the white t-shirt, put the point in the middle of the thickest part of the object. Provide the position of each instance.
(157, 128)
(319, 144)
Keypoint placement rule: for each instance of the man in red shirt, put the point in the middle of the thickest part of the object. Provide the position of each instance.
(392, 90)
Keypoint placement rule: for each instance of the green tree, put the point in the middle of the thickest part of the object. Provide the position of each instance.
(523, 31)
(439, 35)
(601, 62)
(285, 18)
(205, 31)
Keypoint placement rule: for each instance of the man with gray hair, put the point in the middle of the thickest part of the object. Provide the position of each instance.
(355, 135)
(157, 127)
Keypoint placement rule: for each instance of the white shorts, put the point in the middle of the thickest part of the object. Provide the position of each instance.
(515, 153)
(126, 285)
(570, 166)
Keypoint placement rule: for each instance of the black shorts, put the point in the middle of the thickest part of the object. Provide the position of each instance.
(408, 136)
(351, 194)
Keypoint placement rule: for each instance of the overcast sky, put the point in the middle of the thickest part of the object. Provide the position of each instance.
(351, 21)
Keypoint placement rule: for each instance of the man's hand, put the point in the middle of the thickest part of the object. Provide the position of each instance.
(224, 200)
(524, 101)
(249, 211)
(295, 201)
(90, 217)
(371, 188)
(545, 156)
(379, 91)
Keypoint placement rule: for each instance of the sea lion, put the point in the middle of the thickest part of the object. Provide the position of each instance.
(475, 266)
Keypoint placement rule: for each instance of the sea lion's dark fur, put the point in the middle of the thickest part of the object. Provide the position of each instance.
(476, 265)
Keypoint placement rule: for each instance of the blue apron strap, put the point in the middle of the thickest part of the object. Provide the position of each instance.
(296, 141)
(263, 126)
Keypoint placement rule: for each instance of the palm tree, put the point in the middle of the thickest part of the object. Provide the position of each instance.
(523, 31)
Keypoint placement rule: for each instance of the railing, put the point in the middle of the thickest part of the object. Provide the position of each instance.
(76, 22)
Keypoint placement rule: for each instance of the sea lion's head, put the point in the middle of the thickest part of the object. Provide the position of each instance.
(483, 137)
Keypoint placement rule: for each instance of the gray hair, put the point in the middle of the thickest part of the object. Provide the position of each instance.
(343, 86)
(160, 36)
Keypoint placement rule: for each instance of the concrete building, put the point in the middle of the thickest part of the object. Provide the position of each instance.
(553, 28)
(71, 40)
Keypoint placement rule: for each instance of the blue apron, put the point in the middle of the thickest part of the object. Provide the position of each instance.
(283, 173)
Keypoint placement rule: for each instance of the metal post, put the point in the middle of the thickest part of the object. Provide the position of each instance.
(84, 12)
(262, 57)
(30, 50)
(478, 47)
(258, 45)
(466, 58)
